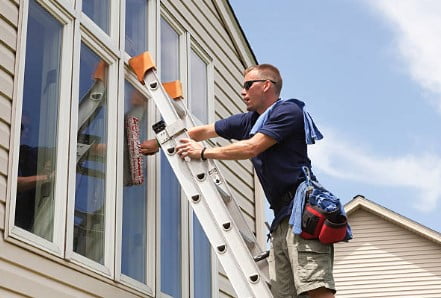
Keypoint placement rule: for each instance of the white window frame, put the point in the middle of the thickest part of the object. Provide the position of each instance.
(78, 29)
(185, 289)
(112, 96)
(126, 74)
(56, 246)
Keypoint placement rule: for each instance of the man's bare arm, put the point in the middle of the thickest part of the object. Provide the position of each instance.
(244, 149)
(202, 133)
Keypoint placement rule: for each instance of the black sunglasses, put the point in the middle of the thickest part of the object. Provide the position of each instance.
(247, 84)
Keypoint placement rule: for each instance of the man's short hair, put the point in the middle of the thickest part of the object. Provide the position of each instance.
(270, 72)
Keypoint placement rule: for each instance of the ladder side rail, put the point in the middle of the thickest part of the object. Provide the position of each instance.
(213, 215)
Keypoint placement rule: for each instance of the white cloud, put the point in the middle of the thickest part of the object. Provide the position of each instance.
(419, 173)
(417, 24)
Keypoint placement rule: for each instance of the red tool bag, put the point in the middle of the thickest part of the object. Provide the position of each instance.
(318, 224)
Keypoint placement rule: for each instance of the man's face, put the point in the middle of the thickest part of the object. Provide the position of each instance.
(253, 94)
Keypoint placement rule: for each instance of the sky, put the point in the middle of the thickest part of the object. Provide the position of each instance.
(369, 72)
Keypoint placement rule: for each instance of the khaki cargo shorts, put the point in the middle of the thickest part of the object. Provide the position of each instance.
(296, 265)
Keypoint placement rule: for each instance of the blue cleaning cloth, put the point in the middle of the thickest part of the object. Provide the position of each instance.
(319, 197)
(312, 133)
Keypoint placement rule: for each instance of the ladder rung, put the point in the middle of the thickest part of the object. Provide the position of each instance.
(261, 256)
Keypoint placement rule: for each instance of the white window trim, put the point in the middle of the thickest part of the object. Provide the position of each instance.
(55, 247)
(108, 267)
(128, 75)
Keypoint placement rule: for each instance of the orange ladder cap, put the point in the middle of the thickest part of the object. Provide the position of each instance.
(141, 64)
(100, 71)
(174, 89)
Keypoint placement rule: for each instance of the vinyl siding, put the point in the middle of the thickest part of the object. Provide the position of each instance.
(8, 46)
(23, 275)
(386, 260)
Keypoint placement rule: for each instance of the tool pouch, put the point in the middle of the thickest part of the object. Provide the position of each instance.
(312, 222)
(332, 232)
(326, 227)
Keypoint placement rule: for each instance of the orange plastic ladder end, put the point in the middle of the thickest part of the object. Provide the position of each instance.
(141, 64)
(174, 89)
(100, 71)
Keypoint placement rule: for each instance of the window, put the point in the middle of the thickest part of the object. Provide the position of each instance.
(198, 102)
(38, 146)
(136, 27)
(134, 261)
(99, 12)
(80, 191)
(170, 201)
(90, 183)
(181, 232)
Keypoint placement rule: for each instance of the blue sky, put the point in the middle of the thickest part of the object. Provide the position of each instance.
(370, 74)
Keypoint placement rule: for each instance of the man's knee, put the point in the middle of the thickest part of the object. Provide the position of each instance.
(321, 293)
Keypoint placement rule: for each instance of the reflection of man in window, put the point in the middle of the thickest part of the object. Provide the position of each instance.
(34, 178)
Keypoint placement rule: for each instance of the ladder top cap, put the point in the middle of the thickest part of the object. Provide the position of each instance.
(174, 89)
(100, 71)
(141, 64)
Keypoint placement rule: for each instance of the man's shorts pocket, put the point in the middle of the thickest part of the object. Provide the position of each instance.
(314, 260)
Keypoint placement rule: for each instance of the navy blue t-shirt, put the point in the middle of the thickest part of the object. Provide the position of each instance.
(279, 168)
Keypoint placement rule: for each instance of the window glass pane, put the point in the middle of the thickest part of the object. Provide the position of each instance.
(198, 100)
(90, 191)
(37, 157)
(136, 27)
(99, 12)
(202, 261)
(134, 229)
(169, 53)
(170, 231)
(170, 189)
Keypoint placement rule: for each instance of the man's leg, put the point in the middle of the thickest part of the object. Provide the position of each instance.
(282, 282)
(312, 264)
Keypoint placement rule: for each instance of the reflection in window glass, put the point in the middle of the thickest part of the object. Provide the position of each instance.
(90, 191)
(169, 53)
(198, 100)
(202, 261)
(99, 12)
(36, 169)
(136, 27)
(134, 229)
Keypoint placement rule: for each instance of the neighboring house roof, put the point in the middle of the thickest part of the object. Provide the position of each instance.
(360, 202)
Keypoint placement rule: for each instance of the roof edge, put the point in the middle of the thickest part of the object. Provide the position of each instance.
(236, 32)
(360, 202)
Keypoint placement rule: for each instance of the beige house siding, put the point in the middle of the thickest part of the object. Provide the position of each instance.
(8, 46)
(386, 260)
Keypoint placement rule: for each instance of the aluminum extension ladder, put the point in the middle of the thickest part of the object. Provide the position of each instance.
(205, 188)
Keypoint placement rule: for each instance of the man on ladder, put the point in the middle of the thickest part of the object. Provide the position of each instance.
(272, 134)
